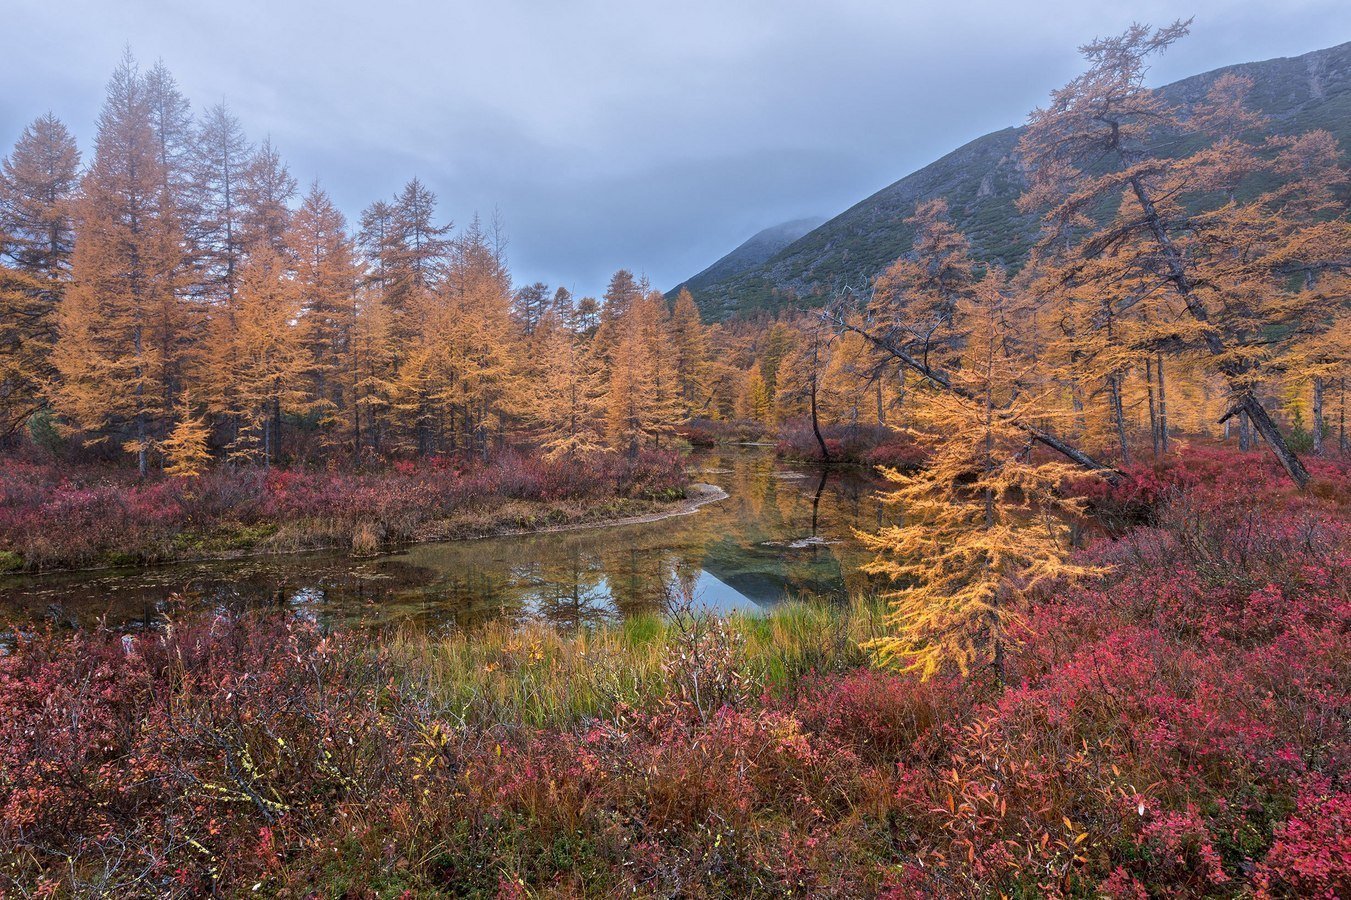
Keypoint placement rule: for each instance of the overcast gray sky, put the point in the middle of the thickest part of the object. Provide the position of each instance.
(653, 136)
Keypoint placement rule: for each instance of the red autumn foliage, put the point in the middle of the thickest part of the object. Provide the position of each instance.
(1177, 729)
(53, 517)
(857, 444)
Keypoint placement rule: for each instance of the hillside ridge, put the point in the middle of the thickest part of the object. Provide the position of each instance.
(982, 179)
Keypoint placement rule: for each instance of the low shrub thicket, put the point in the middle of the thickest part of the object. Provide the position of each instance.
(1182, 727)
(51, 517)
(856, 444)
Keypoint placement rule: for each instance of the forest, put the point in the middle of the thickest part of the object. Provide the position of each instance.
(1103, 650)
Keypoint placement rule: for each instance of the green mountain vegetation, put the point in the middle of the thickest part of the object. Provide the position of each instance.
(981, 182)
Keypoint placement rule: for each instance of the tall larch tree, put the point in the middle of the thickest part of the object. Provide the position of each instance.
(565, 396)
(37, 183)
(690, 344)
(264, 346)
(1220, 264)
(223, 155)
(478, 389)
(528, 306)
(915, 297)
(622, 292)
(628, 389)
(414, 254)
(266, 189)
(123, 329)
(326, 279)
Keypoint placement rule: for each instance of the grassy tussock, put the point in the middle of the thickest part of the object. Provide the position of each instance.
(539, 676)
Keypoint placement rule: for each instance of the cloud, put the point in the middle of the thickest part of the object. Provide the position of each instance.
(655, 136)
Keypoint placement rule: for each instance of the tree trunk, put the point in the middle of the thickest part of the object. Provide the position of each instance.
(1000, 667)
(1317, 415)
(816, 427)
(142, 460)
(1341, 417)
(1118, 414)
(1153, 410)
(1163, 405)
(941, 379)
(1177, 274)
(1077, 403)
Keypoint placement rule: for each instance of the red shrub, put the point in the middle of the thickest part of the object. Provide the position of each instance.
(1311, 856)
(1177, 729)
(90, 516)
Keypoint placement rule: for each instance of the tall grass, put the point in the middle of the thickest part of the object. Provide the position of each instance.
(536, 675)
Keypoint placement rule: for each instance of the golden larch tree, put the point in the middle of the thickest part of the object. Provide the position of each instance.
(124, 332)
(1184, 241)
(983, 521)
(264, 349)
(186, 450)
(565, 401)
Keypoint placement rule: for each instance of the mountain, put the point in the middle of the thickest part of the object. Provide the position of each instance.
(982, 181)
(755, 252)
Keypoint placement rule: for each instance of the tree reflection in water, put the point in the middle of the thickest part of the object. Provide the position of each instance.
(782, 531)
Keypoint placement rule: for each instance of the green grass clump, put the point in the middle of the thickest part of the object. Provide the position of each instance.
(536, 675)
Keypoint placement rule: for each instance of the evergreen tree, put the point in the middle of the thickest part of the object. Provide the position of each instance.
(37, 183)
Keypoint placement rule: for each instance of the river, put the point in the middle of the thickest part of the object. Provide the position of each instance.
(782, 531)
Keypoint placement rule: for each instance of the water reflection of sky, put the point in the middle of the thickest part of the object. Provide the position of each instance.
(781, 532)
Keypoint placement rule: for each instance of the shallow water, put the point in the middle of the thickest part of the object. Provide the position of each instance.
(782, 531)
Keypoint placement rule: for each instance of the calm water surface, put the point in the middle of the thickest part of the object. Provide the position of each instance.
(783, 531)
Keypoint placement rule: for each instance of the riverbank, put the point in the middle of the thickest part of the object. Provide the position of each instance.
(1175, 728)
(695, 496)
(54, 518)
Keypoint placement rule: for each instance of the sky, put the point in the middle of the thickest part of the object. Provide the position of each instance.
(654, 136)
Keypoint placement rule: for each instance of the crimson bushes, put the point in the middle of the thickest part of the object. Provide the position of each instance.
(859, 444)
(50, 517)
(1182, 727)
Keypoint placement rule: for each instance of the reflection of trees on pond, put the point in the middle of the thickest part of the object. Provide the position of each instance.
(754, 543)
(569, 590)
(469, 597)
(635, 578)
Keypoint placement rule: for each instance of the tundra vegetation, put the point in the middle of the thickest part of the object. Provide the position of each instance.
(1106, 649)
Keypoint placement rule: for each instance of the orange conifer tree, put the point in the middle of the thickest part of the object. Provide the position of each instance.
(983, 520)
(124, 332)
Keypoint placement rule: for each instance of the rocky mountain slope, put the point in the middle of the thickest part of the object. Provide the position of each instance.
(753, 253)
(981, 182)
